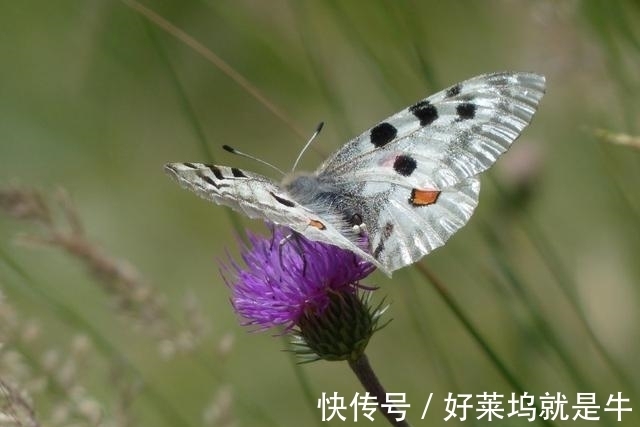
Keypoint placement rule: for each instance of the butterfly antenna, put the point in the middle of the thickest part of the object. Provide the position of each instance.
(318, 129)
(248, 156)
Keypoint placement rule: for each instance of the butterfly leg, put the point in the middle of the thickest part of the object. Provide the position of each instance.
(294, 237)
(273, 241)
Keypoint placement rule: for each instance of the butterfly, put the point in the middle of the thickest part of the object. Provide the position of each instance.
(399, 190)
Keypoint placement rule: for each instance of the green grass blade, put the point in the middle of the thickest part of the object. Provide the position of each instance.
(455, 308)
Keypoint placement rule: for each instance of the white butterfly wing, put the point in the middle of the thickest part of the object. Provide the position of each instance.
(410, 180)
(416, 171)
(448, 137)
(410, 224)
(258, 197)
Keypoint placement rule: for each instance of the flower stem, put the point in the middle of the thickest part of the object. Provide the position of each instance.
(362, 368)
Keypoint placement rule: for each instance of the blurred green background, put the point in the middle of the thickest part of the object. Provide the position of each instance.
(95, 98)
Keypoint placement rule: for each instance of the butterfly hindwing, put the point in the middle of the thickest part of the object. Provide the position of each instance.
(415, 222)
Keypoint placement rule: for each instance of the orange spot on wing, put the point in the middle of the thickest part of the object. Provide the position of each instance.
(423, 197)
(317, 224)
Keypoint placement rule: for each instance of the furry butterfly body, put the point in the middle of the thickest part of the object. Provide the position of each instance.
(399, 190)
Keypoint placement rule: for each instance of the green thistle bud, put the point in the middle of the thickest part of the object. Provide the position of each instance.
(339, 332)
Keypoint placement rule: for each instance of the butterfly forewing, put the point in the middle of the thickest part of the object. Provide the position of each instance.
(251, 194)
(258, 197)
(445, 138)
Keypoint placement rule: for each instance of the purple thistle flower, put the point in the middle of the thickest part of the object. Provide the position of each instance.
(282, 282)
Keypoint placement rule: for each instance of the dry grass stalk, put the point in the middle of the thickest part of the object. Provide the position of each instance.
(617, 138)
(15, 407)
(61, 227)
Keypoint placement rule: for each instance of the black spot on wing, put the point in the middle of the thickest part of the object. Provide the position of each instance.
(424, 111)
(386, 233)
(453, 91)
(382, 134)
(215, 171)
(190, 165)
(379, 249)
(238, 173)
(466, 110)
(405, 165)
(209, 180)
(283, 201)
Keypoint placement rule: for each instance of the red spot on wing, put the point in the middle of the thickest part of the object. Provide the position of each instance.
(423, 197)
(317, 224)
